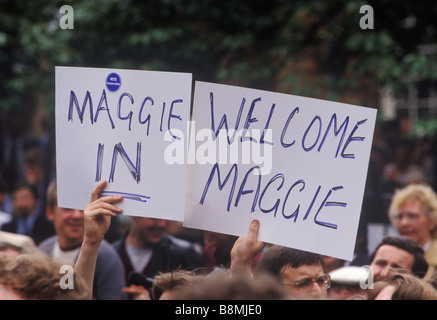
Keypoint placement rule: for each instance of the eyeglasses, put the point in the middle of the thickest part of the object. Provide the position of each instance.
(410, 216)
(323, 281)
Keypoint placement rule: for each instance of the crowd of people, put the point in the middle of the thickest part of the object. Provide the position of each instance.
(116, 257)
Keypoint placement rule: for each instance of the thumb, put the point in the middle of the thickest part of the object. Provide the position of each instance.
(253, 234)
(98, 190)
(253, 230)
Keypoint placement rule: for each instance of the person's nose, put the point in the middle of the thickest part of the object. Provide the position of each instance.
(386, 272)
(317, 291)
(162, 223)
(77, 214)
(403, 221)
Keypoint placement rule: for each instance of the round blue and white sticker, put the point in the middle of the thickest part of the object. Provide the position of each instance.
(113, 82)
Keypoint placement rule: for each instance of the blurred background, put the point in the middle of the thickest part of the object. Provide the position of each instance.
(384, 58)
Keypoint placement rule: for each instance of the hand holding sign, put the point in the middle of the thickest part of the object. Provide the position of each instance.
(97, 219)
(245, 250)
(99, 212)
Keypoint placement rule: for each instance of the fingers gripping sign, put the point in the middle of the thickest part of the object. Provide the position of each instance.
(99, 212)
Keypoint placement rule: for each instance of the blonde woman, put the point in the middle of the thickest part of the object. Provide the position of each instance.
(413, 211)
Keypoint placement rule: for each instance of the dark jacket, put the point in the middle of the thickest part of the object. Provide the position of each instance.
(169, 254)
(42, 228)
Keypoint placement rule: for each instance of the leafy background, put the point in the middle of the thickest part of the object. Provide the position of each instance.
(311, 48)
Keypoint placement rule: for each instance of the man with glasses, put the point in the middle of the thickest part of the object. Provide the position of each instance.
(300, 272)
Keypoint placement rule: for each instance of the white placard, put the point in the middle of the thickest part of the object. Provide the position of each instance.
(114, 125)
(297, 164)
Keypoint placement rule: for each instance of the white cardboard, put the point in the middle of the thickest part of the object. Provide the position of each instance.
(297, 154)
(121, 119)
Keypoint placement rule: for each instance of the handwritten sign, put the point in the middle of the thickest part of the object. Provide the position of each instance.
(297, 164)
(114, 125)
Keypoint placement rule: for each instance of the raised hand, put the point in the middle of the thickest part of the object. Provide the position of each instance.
(244, 251)
(99, 212)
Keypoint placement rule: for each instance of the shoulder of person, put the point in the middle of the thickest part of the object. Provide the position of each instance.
(107, 248)
(117, 244)
(431, 253)
(177, 242)
(48, 244)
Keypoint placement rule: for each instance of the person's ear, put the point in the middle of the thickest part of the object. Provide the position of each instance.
(49, 213)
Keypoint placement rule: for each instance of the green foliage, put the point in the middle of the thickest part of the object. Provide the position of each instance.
(251, 43)
(425, 128)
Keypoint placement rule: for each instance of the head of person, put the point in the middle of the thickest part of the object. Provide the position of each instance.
(148, 231)
(68, 223)
(36, 277)
(413, 211)
(402, 287)
(300, 272)
(24, 200)
(165, 285)
(34, 162)
(220, 286)
(9, 250)
(398, 253)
